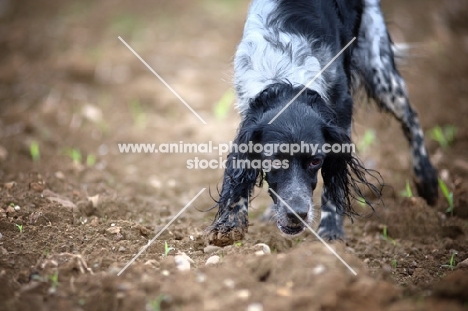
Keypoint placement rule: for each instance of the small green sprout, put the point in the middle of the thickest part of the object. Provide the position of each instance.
(361, 201)
(238, 244)
(367, 140)
(54, 279)
(385, 236)
(448, 196)
(394, 263)
(407, 193)
(443, 135)
(90, 160)
(20, 228)
(222, 106)
(34, 151)
(167, 249)
(155, 304)
(452, 262)
(138, 114)
(74, 154)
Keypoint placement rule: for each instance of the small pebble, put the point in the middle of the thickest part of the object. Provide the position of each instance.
(113, 230)
(263, 249)
(255, 307)
(319, 269)
(122, 249)
(165, 273)
(229, 283)
(211, 249)
(10, 210)
(463, 263)
(243, 294)
(200, 278)
(213, 260)
(17, 208)
(182, 263)
(1, 235)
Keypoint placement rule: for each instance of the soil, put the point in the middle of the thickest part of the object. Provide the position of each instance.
(71, 219)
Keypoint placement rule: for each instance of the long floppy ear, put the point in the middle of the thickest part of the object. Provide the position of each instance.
(343, 173)
(239, 177)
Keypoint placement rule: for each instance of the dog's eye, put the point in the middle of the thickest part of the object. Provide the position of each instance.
(315, 162)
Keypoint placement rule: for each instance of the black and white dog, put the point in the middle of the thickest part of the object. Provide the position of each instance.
(286, 43)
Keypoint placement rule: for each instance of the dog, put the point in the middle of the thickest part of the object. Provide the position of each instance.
(287, 95)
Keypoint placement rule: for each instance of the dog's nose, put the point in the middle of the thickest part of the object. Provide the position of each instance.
(293, 218)
(300, 208)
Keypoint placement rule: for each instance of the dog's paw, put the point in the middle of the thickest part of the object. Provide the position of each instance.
(331, 233)
(223, 236)
(227, 229)
(428, 185)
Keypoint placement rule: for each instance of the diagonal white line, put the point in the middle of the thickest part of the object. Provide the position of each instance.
(315, 233)
(162, 80)
(159, 233)
(312, 81)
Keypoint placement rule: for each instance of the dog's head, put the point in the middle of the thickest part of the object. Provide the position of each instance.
(292, 174)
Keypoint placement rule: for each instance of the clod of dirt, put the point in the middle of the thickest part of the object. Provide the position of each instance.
(213, 260)
(54, 197)
(460, 197)
(401, 220)
(453, 286)
(114, 230)
(211, 249)
(3, 153)
(463, 264)
(67, 264)
(10, 210)
(9, 185)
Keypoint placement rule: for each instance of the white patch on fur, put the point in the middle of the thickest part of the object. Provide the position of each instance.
(266, 55)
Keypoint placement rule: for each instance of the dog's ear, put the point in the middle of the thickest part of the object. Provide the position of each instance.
(343, 173)
(240, 177)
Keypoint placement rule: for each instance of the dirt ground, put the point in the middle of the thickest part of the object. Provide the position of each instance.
(76, 214)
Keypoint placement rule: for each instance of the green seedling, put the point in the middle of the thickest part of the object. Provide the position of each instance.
(155, 304)
(138, 114)
(34, 151)
(167, 249)
(407, 193)
(90, 160)
(452, 262)
(74, 154)
(361, 201)
(443, 135)
(367, 140)
(238, 244)
(225, 102)
(384, 236)
(54, 280)
(394, 263)
(448, 196)
(20, 228)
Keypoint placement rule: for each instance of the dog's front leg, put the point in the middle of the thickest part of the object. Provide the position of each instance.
(231, 222)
